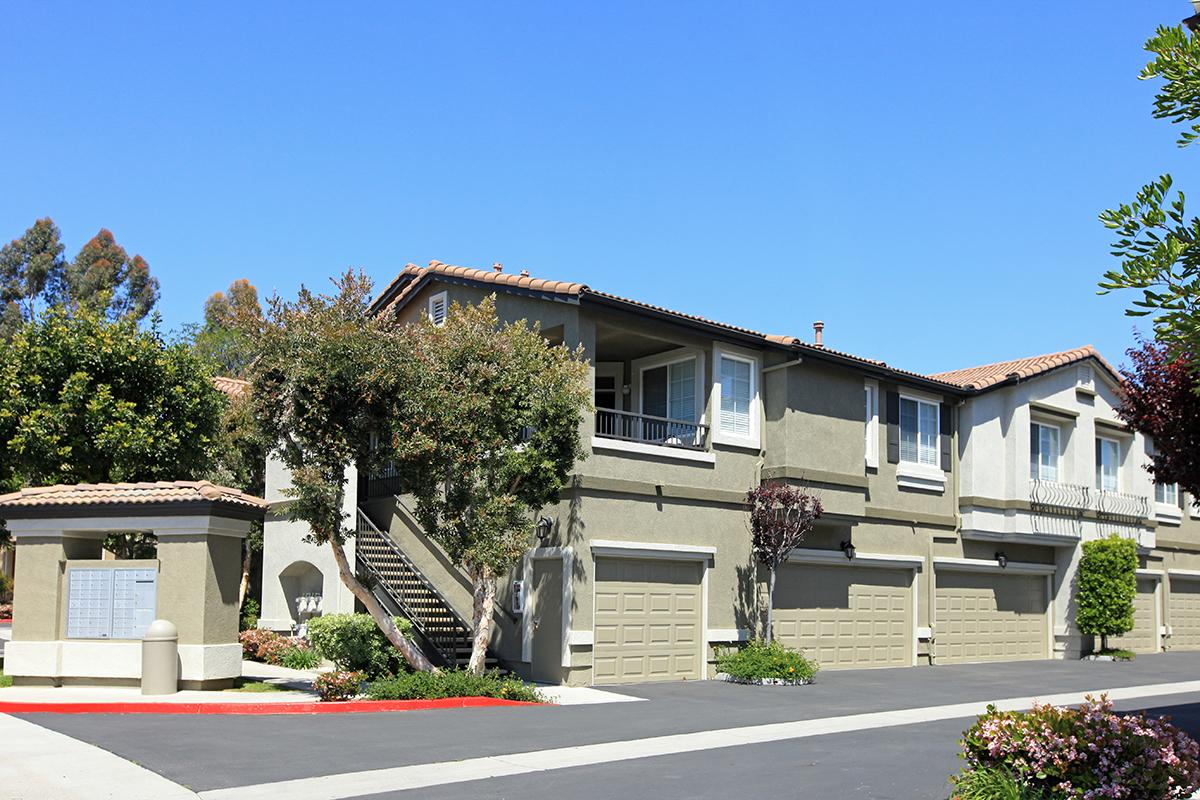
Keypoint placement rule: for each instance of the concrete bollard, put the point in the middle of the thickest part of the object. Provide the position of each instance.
(160, 658)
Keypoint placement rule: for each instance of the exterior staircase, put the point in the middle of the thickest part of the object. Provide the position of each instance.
(404, 591)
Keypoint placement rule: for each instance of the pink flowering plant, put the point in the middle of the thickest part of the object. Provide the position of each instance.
(1088, 752)
(339, 685)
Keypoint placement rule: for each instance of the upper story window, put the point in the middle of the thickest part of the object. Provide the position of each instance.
(871, 445)
(1044, 442)
(1166, 493)
(737, 394)
(919, 427)
(1108, 462)
(439, 307)
(670, 390)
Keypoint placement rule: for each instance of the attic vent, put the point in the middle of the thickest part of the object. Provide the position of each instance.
(1085, 376)
(438, 308)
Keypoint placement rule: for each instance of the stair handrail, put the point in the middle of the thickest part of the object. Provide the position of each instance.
(391, 545)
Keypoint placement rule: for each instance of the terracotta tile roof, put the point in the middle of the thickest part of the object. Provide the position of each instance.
(233, 388)
(147, 493)
(988, 375)
(406, 283)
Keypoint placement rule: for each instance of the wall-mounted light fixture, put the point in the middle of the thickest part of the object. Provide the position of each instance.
(1001, 559)
(848, 549)
(543, 528)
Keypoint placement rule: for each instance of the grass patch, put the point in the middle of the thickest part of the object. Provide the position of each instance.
(454, 683)
(5, 680)
(243, 685)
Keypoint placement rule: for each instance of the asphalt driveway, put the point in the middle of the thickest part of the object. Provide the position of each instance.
(210, 752)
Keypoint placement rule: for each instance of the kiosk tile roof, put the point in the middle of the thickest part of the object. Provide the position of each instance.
(147, 493)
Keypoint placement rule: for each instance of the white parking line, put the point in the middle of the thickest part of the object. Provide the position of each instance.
(419, 776)
(38, 764)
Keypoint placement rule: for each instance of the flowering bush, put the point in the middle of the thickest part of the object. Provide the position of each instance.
(757, 660)
(272, 651)
(1087, 753)
(339, 685)
(253, 641)
(6, 611)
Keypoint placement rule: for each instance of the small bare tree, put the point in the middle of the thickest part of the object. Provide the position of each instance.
(781, 516)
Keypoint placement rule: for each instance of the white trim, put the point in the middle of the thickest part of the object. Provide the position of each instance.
(1187, 574)
(871, 423)
(754, 360)
(640, 365)
(924, 632)
(1099, 465)
(1165, 512)
(989, 565)
(581, 638)
(163, 526)
(728, 635)
(919, 398)
(568, 597)
(838, 558)
(623, 549)
(656, 450)
(1151, 573)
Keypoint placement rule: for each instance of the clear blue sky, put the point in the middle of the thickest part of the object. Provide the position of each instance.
(925, 178)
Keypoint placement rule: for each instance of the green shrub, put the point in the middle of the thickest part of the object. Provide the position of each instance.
(1106, 588)
(6, 589)
(249, 614)
(354, 642)
(993, 784)
(757, 660)
(340, 685)
(455, 683)
(300, 658)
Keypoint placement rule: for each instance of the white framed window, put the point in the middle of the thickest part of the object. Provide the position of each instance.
(1108, 464)
(1166, 494)
(736, 401)
(871, 445)
(1044, 450)
(439, 307)
(669, 390)
(919, 428)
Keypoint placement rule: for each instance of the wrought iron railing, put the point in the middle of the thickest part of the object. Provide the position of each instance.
(385, 482)
(432, 616)
(649, 429)
(1060, 507)
(1118, 512)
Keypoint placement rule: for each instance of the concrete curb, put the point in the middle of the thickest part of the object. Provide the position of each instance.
(347, 707)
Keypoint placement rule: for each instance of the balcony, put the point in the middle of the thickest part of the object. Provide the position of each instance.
(647, 429)
(1060, 508)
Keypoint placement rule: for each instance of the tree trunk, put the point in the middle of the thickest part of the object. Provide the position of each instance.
(482, 608)
(1103, 642)
(412, 654)
(247, 557)
(771, 605)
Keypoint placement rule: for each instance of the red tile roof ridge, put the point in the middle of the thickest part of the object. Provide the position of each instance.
(984, 376)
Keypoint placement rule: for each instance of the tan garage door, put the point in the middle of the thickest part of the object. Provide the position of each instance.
(648, 624)
(1144, 636)
(846, 616)
(1185, 614)
(986, 616)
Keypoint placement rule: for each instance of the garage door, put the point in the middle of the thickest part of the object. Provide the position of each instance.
(989, 617)
(1185, 614)
(846, 616)
(648, 625)
(1144, 636)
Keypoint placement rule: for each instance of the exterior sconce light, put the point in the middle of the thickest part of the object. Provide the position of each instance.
(848, 549)
(543, 528)
(1001, 559)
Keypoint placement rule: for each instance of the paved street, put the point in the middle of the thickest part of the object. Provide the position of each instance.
(866, 733)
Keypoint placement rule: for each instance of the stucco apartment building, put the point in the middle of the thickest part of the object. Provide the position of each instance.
(938, 544)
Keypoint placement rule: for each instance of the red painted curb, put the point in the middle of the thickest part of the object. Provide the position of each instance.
(308, 707)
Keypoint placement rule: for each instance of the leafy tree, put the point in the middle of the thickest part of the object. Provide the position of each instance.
(781, 515)
(325, 381)
(233, 321)
(1157, 243)
(1159, 398)
(1106, 588)
(28, 266)
(486, 432)
(104, 278)
(87, 400)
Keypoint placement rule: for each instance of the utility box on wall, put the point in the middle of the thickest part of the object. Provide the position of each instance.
(79, 618)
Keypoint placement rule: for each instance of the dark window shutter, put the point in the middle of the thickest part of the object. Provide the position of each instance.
(892, 414)
(945, 421)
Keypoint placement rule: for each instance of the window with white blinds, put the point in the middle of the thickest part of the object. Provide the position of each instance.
(919, 432)
(1108, 458)
(1166, 493)
(438, 308)
(670, 391)
(871, 444)
(737, 393)
(1043, 452)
